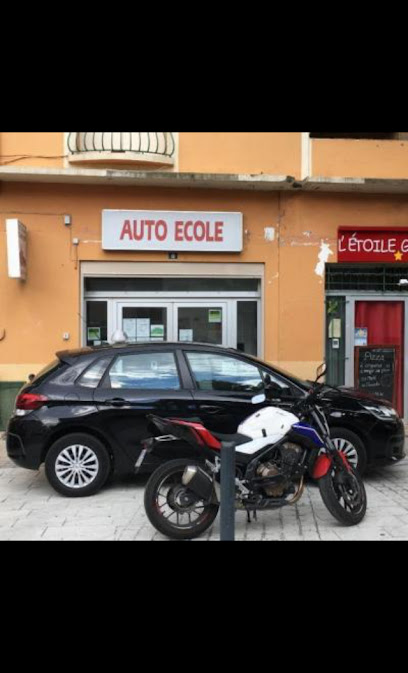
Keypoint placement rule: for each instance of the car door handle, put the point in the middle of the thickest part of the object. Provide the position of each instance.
(116, 402)
(210, 409)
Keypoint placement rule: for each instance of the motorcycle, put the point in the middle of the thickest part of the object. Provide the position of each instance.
(274, 449)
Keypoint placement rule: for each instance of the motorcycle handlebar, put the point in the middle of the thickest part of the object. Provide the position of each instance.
(310, 398)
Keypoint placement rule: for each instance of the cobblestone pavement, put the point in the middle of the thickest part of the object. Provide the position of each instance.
(30, 509)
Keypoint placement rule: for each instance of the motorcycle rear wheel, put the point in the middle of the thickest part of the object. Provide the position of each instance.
(172, 508)
(347, 503)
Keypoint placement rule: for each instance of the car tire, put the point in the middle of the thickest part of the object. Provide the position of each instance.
(77, 465)
(351, 445)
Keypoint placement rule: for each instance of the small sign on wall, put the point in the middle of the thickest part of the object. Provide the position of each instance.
(361, 336)
(16, 249)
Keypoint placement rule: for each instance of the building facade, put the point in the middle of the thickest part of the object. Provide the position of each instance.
(288, 246)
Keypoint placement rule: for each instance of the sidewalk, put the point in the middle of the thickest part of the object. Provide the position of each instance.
(30, 509)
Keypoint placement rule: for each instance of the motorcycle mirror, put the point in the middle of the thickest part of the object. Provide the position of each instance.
(320, 371)
(258, 399)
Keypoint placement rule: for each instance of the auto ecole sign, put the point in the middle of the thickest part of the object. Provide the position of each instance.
(171, 231)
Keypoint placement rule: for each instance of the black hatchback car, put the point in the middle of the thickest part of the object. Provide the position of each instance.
(85, 414)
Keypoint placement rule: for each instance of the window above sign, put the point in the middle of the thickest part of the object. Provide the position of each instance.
(146, 149)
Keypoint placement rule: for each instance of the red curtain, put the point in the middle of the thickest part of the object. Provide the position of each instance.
(385, 323)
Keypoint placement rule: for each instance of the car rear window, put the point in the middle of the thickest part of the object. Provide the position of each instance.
(92, 376)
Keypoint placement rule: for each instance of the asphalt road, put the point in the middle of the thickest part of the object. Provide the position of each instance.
(31, 510)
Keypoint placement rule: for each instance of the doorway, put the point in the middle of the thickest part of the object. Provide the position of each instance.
(225, 311)
(360, 322)
(380, 324)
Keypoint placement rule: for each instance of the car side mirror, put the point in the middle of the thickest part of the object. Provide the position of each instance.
(271, 388)
(258, 399)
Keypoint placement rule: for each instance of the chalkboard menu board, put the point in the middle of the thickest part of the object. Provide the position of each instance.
(375, 370)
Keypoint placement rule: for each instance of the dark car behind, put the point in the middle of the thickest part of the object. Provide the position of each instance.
(84, 415)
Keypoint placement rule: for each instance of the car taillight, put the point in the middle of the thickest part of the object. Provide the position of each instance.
(30, 401)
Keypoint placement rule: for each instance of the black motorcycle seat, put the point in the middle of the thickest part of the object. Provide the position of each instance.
(237, 438)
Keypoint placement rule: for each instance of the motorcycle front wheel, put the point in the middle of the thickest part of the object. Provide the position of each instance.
(172, 508)
(344, 496)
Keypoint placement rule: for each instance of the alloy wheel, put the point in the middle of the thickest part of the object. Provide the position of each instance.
(348, 449)
(77, 466)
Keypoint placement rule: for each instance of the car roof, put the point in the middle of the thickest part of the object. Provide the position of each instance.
(113, 348)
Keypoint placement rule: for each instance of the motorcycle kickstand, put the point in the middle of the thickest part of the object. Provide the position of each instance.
(254, 516)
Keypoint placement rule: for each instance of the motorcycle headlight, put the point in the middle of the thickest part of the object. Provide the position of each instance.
(382, 412)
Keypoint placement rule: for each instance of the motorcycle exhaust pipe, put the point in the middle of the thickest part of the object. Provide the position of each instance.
(199, 481)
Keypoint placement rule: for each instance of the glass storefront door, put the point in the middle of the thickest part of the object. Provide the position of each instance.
(173, 321)
(205, 323)
(219, 311)
(143, 322)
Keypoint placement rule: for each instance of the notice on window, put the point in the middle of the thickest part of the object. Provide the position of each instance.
(129, 327)
(215, 315)
(143, 328)
(361, 336)
(335, 328)
(157, 331)
(186, 335)
(94, 333)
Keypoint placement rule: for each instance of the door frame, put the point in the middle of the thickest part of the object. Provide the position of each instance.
(350, 311)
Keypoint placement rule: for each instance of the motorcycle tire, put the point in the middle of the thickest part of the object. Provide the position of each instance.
(179, 500)
(349, 510)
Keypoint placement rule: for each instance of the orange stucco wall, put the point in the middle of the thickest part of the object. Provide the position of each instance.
(272, 153)
(360, 158)
(36, 313)
(32, 149)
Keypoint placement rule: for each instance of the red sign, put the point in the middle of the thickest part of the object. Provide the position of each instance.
(375, 244)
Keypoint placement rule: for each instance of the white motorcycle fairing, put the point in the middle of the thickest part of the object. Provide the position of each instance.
(266, 426)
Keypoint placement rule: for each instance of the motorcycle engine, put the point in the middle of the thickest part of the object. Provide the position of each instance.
(283, 464)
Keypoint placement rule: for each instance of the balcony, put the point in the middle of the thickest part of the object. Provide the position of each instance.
(121, 149)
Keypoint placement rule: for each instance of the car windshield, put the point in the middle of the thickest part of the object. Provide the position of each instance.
(305, 384)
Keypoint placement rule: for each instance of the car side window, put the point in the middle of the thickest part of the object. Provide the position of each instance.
(155, 371)
(281, 386)
(216, 372)
(92, 376)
